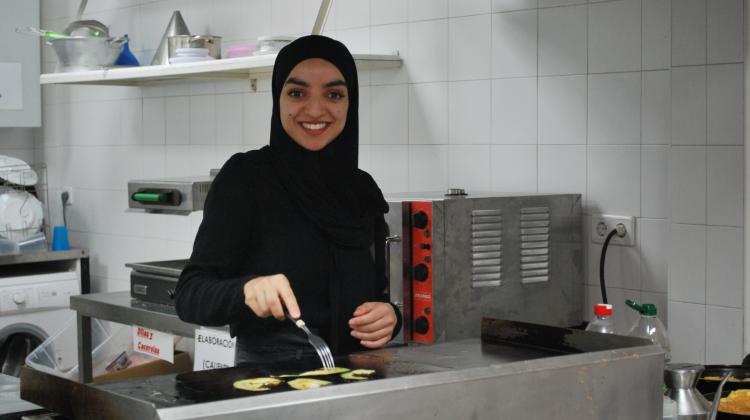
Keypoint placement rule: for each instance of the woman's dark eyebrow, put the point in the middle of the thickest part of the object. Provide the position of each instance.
(333, 83)
(296, 81)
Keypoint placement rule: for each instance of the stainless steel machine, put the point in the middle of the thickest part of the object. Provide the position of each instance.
(455, 258)
(181, 195)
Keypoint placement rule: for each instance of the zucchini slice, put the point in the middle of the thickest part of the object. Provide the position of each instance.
(308, 383)
(323, 372)
(358, 375)
(257, 384)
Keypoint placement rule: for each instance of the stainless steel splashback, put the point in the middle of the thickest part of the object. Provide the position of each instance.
(461, 258)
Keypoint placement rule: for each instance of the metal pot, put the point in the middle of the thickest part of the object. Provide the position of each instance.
(739, 378)
(210, 42)
(86, 53)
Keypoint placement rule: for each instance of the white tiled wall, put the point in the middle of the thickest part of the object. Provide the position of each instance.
(635, 104)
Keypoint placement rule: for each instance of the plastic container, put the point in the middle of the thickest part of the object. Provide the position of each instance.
(669, 409)
(272, 44)
(603, 322)
(58, 354)
(126, 57)
(240, 51)
(8, 247)
(650, 327)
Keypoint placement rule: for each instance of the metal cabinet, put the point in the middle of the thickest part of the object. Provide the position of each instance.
(20, 94)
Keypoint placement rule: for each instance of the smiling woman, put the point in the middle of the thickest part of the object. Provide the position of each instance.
(314, 103)
(296, 226)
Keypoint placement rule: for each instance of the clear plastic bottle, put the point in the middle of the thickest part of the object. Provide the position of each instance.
(603, 322)
(650, 327)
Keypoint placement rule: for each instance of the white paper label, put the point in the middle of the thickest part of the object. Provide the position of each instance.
(11, 85)
(213, 349)
(154, 343)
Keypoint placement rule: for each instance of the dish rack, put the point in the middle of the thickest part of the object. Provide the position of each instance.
(11, 179)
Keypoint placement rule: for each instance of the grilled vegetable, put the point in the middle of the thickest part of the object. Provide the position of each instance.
(323, 372)
(358, 375)
(257, 384)
(308, 383)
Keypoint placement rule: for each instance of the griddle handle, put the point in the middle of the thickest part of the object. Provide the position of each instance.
(388, 240)
(159, 196)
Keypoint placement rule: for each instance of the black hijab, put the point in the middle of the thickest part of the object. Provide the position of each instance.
(342, 201)
(326, 185)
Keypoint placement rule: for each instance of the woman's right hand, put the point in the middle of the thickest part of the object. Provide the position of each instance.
(269, 295)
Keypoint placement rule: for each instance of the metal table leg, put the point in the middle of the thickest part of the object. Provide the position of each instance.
(85, 276)
(85, 371)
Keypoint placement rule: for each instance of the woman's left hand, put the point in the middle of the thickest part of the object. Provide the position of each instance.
(373, 324)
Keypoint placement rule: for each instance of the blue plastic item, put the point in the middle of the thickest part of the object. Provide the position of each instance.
(60, 238)
(126, 57)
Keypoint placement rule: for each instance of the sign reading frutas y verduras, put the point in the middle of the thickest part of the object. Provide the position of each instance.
(154, 343)
(213, 349)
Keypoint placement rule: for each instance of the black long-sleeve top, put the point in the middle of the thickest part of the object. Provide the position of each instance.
(251, 228)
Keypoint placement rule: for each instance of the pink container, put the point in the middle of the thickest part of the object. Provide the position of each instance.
(240, 51)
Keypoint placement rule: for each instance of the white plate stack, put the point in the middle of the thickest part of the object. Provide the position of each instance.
(21, 213)
(190, 55)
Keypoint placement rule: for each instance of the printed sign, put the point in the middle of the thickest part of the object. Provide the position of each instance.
(213, 349)
(154, 343)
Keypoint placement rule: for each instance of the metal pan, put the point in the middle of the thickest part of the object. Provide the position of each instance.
(722, 415)
(712, 375)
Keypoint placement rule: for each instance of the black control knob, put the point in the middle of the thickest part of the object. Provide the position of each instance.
(420, 220)
(421, 325)
(421, 272)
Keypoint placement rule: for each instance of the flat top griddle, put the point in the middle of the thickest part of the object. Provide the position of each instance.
(217, 385)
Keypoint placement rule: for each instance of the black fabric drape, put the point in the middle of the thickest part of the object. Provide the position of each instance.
(327, 186)
(313, 216)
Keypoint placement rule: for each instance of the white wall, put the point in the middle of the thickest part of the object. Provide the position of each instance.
(636, 104)
(18, 143)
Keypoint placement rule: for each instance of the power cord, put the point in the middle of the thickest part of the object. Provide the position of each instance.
(620, 231)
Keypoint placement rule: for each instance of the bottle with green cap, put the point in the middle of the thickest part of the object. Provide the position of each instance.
(650, 327)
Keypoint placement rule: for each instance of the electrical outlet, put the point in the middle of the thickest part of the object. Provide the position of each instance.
(69, 190)
(602, 224)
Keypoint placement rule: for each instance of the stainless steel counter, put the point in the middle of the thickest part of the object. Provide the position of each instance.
(511, 374)
(33, 257)
(120, 307)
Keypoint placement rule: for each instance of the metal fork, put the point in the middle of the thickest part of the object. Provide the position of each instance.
(318, 344)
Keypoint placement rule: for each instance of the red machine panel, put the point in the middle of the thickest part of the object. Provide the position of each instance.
(421, 263)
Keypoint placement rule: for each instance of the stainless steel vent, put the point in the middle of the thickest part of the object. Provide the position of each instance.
(203, 188)
(535, 256)
(486, 248)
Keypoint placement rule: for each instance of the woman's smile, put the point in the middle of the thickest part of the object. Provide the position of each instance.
(314, 103)
(315, 129)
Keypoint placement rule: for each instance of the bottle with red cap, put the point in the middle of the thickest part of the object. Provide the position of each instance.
(603, 322)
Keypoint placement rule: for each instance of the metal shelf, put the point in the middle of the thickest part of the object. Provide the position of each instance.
(45, 256)
(251, 68)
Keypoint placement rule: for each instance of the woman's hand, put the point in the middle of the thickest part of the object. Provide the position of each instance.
(373, 324)
(269, 295)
